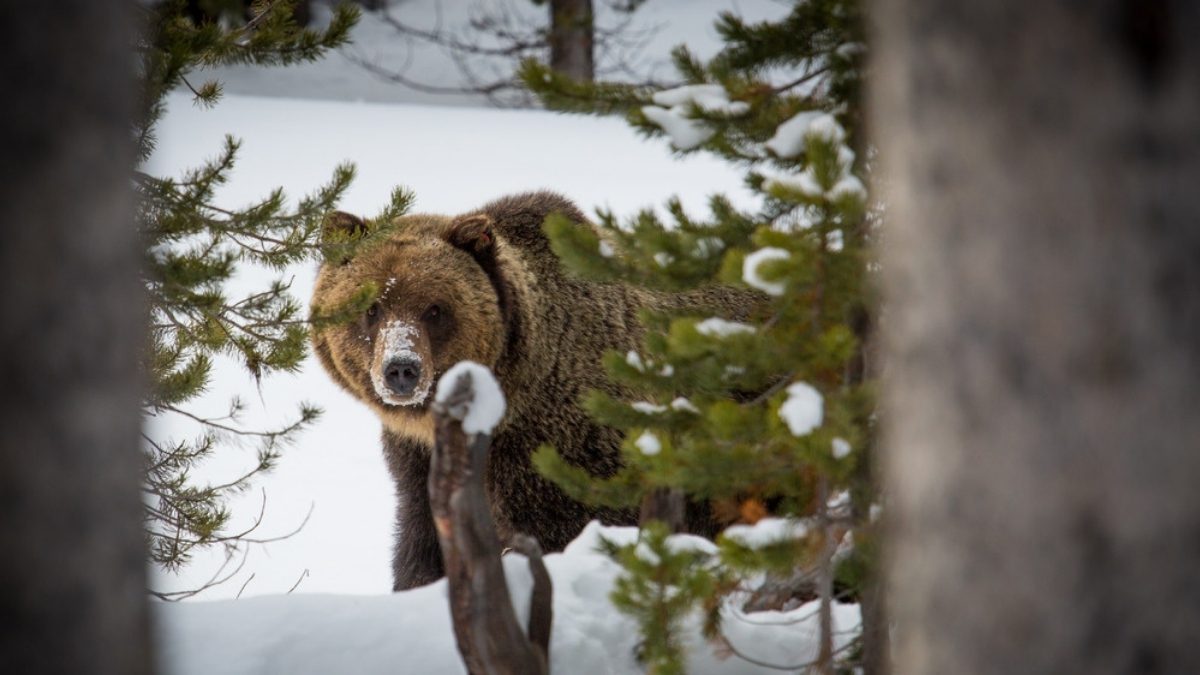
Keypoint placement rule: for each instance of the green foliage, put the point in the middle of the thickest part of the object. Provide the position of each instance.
(664, 581)
(194, 249)
(709, 406)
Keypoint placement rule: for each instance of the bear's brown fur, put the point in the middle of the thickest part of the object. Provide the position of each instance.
(486, 287)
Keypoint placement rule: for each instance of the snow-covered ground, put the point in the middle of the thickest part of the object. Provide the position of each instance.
(455, 159)
(411, 632)
(341, 617)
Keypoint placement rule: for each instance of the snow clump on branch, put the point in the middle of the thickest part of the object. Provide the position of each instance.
(717, 327)
(486, 407)
(750, 270)
(803, 410)
(687, 133)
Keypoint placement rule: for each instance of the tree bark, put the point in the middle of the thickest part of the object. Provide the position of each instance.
(1042, 330)
(485, 626)
(72, 571)
(666, 505)
(572, 34)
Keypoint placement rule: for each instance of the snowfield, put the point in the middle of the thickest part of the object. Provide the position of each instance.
(411, 632)
(455, 159)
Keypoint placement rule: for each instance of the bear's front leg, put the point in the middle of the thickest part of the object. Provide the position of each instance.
(417, 558)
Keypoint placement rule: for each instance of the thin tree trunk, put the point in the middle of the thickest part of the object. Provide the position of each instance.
(1042, 333)
(572, 33)
(72, 567)
(667, 505)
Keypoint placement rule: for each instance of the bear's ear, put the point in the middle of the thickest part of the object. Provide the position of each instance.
(473, 234)
(340, 227)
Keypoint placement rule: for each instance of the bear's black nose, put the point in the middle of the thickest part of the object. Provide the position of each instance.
(402, 376)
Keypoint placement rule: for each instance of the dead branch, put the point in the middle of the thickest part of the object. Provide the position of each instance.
(485, 626)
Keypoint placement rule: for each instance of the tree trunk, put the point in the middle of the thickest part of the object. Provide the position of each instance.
(72, 571)
(571, 37)
(1042, 333)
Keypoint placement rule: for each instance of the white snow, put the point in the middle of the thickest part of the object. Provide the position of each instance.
(667, 370)
(682, 404)
(875, 512)
(648, 443)
(792, 137)
(750, 269)
(648, 408)
(336, 468)
(804, 182)
(663, 258)
(454, 159)
(708, 97)
(850, 49)
(827, 128)
(848, 185)
(635, 360)
(835, 240)
(788, 140)
(644, 552)
(685, 133)
(766, 532)
(803, 410)
(838, 504)
(606, 248)
(320, 634)
(486, 408)
(840, 448)
(718, 327)
(708, 246)
(396, 342)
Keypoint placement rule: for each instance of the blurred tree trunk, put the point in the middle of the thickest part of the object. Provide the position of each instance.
(72, 571)
(1042, 333)
(572, 33)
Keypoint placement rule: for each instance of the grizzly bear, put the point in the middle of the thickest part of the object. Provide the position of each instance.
(486, 286)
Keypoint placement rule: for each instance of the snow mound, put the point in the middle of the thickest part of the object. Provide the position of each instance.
(766, 532)
(486, 408)
(411, 631)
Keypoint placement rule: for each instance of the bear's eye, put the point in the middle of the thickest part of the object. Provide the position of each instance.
(433, 313)
(373, 312)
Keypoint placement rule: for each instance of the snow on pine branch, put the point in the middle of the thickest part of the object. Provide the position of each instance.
(750, 270)
(803, 410)
(671, 113)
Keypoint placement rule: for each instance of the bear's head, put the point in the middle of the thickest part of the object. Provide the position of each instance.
(437, 303)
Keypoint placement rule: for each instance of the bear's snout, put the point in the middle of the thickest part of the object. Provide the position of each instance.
(398, 368)
(402, 376)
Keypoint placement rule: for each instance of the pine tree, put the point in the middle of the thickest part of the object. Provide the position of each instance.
(768, 421)
(194, 246)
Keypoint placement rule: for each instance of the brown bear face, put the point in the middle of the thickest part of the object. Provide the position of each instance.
(435, 306)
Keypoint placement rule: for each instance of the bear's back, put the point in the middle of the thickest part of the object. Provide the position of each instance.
(519, 220)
